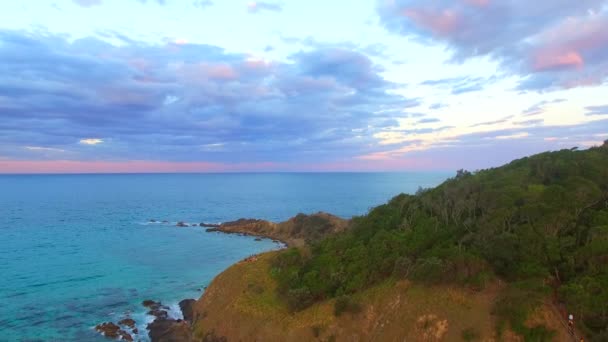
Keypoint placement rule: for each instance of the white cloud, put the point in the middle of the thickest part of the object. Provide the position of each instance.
(513, 136)
(91, 141)
(43, 149)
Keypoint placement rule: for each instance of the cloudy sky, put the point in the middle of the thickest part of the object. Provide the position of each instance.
(298, 85)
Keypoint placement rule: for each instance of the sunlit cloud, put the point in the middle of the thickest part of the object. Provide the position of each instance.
(43, 149)
(91, 141)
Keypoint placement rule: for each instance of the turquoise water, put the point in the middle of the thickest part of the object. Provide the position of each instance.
(76, 250)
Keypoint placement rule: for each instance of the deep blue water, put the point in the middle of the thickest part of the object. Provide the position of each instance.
(76, 250)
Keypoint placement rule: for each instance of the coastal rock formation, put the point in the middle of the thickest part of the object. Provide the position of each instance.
(297, 231)
(181, 224)
(186, 307)
(111, 330)
(156, 309)
(165, 329)
(210, 225)
(128, 322)
(169, 330)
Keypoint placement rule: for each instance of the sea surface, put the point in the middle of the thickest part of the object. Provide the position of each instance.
(78, 250)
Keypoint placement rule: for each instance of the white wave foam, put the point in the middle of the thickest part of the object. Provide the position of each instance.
(175, 311)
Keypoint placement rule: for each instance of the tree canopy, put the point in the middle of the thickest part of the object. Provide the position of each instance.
(539, 223)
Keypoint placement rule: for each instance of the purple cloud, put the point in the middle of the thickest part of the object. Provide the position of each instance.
(258, 6)
(87, 3)
(187, 102)
(553, 43)
(460, 85)
(597, 110)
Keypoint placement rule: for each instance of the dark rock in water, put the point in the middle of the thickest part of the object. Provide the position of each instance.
(209, 225)
(194, 225)
(152, 220)
(187, 309)
(158, 313)
(199, 290)
(169, 330)
(111, 330)
(108, 329)
(148, 303)
(258, 239)
(181, 224)
(135, 331)
(129, 322)
(165, 221)
(125, 336)
(210, 230)
(156, 309)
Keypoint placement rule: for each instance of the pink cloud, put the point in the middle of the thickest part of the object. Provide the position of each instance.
(552, 60)
(441, 23)
(135, 166)
(8, 166)
(201, 72)
(570, 43)
(221, 72)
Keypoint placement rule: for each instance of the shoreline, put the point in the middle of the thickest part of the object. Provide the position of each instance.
(160, 325)
(159, 320)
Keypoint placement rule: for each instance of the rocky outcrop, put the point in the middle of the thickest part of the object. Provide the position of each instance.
(186, 307)
(128, 322)
(297, 231)
(165, 329)
(182, 224)
(169, 330)
(111, 330)
(210, 225)
(156, 309)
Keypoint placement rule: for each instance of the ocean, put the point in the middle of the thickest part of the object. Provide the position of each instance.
(79, 250)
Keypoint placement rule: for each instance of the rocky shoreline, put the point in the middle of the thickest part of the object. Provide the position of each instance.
(162, 328)
(297, 231)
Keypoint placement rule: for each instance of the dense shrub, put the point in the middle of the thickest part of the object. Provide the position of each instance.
(537, 220)
(470, 334)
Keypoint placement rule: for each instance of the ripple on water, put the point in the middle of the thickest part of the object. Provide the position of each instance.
(74, 254)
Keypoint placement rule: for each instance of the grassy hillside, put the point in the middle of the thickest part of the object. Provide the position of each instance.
(539, 224)
(242, 304)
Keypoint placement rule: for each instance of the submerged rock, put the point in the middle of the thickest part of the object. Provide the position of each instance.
(187, 310)
(111, 330)
(181, 224)
(148, 303)
(156, 309)
(108, 329)
(129, 322)
(158, 313)
(210, 225)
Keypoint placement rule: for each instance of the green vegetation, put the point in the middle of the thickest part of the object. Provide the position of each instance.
(470, 334)
(538, 223)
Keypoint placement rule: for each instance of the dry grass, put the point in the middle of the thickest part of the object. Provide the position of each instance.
(241, 304)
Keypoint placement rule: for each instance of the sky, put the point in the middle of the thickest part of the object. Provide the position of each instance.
(298, 85)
